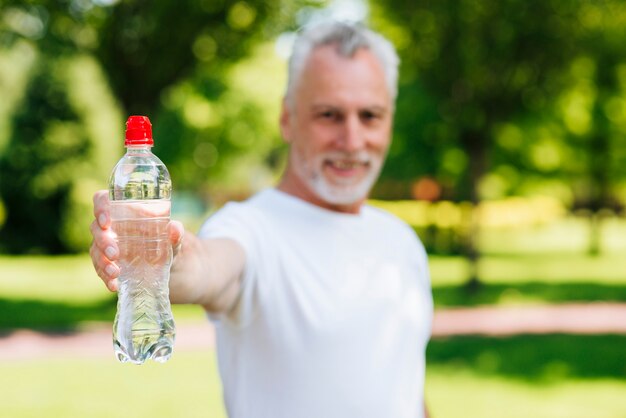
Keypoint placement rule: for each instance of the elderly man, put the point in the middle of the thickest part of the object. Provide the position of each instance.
(321, 303)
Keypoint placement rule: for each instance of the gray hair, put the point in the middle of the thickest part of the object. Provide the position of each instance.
(349, 38)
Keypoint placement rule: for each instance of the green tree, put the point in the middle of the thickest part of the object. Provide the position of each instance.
(58, 152)
(601, 68)
(484, 64)
(60, 142)
(571, 143)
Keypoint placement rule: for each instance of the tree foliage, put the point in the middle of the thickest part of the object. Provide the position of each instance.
(95, 61)
(480, 64)
(504, 97)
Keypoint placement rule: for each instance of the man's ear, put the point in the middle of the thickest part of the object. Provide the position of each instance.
(285, 121)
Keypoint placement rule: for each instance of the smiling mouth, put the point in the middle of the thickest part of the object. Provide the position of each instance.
(346, 165)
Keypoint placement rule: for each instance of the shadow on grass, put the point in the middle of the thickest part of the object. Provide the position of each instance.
(488, 294)
(52, 316)
(534, 357)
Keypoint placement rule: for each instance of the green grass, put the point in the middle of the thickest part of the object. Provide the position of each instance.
(552, 268)
(453, 392)
(566, 235)
(59, 293)
(60, 316)
(530, 279)
(547, 376)
(185, 386)
(69, 279)
(64, 293)
(538, 359)
(471, 377)
(528, 293)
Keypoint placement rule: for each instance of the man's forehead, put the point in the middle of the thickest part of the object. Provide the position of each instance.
(325, 105)
(332, 53)
(325, 63)
(330, 76)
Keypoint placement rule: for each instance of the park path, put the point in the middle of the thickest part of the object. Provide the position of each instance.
(590, 318)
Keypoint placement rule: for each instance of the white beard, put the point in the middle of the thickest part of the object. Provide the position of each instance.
(337, 191)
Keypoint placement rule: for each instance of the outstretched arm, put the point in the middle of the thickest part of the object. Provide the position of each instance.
(207, 272)
(204, 272)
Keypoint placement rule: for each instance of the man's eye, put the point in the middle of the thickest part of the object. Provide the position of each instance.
(369, 116)
(328, 115)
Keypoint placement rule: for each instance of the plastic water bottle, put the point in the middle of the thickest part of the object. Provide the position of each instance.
(139, 190)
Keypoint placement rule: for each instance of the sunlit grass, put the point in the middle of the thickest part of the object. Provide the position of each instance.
(548, 376)
(65, 293)
(186, 386)
(470, 377)
(453, 392)
(568, 235)
(60, 278)
(72, 279)
(60, 292)
(553, 268)
(530, 279)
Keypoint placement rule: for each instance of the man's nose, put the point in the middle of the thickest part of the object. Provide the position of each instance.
(352, 135)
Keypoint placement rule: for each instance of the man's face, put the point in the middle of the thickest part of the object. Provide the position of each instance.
(339, 128)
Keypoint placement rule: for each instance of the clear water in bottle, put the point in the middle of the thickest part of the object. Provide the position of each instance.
(144, 326)
(140, 189)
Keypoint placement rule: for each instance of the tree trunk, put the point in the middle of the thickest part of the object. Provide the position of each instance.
(595, 234)
(474, 143)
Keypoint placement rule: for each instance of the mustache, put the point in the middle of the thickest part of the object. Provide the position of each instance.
(361, 156)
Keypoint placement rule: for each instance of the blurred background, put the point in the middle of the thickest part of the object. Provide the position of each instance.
(508, 159)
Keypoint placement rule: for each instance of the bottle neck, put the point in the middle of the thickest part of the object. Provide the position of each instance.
(138, 149)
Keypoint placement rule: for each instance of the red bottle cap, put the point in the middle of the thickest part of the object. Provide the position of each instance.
(138, 131)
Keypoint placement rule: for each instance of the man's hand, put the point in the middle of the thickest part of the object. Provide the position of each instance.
(104, 250)
(205, 272)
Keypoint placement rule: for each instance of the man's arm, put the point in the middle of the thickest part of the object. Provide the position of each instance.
(204, 272)
(207, 272)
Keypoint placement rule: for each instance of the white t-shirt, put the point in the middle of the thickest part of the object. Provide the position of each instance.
(334, 316)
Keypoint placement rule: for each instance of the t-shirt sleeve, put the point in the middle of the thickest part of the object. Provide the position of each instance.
(237, 222)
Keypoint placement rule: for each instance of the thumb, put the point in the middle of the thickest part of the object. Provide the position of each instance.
(176, 234)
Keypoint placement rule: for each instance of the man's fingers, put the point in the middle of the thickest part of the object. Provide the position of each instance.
(104, 249)
(104, 240)
(101, 206)
(107, 270)
(112, 285)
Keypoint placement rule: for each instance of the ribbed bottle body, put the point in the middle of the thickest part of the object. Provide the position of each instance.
(140, 191)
